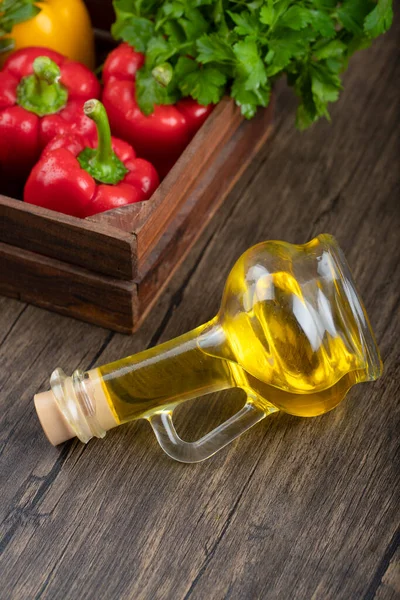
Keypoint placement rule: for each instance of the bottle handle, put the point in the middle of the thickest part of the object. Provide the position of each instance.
(192, 452)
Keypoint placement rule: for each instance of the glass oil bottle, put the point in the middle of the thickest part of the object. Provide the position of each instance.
(291, 332)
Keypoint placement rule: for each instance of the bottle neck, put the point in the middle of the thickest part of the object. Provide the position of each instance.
(89, 404)
(167, 375)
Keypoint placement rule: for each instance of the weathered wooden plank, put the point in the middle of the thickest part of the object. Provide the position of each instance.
(75, 241)
(67, 289)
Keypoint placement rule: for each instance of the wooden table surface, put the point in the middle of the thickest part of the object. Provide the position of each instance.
(294, 509)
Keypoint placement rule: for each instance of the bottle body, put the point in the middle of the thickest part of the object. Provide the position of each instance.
(190, 366)
(289, 331)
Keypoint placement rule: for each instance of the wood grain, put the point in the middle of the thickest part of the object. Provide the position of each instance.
(296, 509)
(68, 290)
(73, 241)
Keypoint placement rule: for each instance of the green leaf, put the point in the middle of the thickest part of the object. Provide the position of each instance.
(307, 111)
(250, 64)
(159, 50)
(174, 32)
(267, 14)
(218, 15)
(352, 14)
(246, 23)
(296, 17)
(194, 24)
(304, 119)
(212, 48)
(13, 12)
(322, 23)
(255, 5)
(211, 44)
(335, 65)
(136, 31)
(273, 10)
(285, 45)
(173, 10)
(206, 84)
(185, 66)
(325, 4)
(139, 8)
(6, 45)
(316, 86)
(249, 100)
(379, 19)
(18, 13)
(330, 49)
(149, 92)
(325, 85)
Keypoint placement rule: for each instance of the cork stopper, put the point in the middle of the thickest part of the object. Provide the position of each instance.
(74, 407)
(54, 424)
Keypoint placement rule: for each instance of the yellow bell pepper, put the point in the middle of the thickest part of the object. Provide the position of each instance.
(62, 25)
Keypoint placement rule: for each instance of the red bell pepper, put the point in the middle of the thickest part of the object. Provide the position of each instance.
(122, 63)
(160, 137)
(78, 180)
(41, 95)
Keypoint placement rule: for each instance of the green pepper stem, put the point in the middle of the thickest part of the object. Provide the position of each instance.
(47, 75)
(163, 74)
(95, 110)
(101, 163)
(46, 69)
(42, 92)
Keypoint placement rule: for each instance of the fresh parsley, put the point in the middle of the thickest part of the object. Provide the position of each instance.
(13, 12)
(202, 48)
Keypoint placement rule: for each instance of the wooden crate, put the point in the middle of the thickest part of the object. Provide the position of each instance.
(109, 269)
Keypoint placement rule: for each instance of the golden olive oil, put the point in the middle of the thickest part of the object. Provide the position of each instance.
(289, 344)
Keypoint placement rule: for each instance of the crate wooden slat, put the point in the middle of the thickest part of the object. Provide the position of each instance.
(66, 289)
(96, 247)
